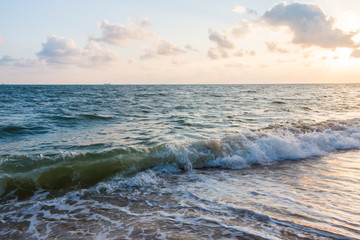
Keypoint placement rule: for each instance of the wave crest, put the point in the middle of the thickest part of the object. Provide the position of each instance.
(69, 171)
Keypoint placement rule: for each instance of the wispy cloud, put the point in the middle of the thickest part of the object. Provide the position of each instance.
(243, 10)
(242, 53)
(118, 34)
(217, 53)
(19, 62)
(162, 48)
(191, 48)
(274, 47)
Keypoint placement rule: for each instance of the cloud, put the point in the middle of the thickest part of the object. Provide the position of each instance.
(309, 25)
(162, 48)
(241, 10)
(93, 55)
(18, 62)
(235, 65)
(58, 50)
(251, 53)
(6, 59)
(190, 48)
(239, 53)
(217, 53)
(251, 11)
(273, 47)
(118, 34)
(178, 62)
(223, 45)
(241, 29)
(355, 53)
(242, 52)
(221, 40)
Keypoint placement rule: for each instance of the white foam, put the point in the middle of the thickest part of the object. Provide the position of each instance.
(267, 146)
(148, 178)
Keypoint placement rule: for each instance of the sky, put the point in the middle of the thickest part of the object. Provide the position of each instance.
(179, 42)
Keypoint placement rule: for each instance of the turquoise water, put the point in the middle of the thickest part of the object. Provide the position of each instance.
(176, 162)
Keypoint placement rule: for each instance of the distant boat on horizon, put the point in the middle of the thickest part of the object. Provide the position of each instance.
(107, 83)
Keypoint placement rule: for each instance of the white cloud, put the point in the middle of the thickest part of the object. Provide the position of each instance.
(162, 48)
(241, 10)
(118, 34)
(178, 62)
(239, 53)
(221, 40)
(242, 53)
(274, 47)
(217, 53)
(190, 48)
(241, 29)
(355, 53)
(6, 59)
(93, 55)
(252, 53)
(223, 45)
(58, 50)
(309, 25)
(18, 62)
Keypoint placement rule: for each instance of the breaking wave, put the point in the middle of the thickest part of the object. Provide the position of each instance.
(21, 176)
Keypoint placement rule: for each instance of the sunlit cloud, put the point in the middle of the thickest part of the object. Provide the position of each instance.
(355, 53)
(58, 50)
(118, 34)
(239, 9)
(309, 25)
(243, 10)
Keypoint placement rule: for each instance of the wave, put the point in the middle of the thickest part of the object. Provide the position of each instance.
(15, 130)
(23, 175)
(80, 117)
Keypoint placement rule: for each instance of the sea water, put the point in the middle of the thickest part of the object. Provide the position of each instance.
(180, 162)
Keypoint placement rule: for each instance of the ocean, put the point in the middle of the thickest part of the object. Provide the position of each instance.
(180, 161)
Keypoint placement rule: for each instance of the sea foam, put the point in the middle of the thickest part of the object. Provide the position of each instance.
(266, 146)
(69, 171)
